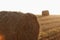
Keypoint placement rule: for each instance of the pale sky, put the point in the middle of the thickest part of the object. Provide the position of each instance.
(32, 6)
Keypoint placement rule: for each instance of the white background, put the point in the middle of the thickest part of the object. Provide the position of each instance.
(32, 6)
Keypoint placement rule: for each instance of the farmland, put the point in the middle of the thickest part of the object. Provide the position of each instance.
(49, 27)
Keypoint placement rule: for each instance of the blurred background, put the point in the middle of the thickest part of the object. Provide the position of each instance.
(32, 6)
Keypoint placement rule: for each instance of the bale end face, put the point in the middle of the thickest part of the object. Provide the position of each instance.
(45, 13)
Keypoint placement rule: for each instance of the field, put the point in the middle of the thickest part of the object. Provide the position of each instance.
(49, 27)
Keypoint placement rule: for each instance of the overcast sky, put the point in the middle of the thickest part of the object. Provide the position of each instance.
(32, 6)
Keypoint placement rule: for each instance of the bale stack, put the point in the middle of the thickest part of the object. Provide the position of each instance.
(45, 13)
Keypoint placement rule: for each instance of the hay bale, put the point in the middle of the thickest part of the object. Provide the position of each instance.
(45, 13)
(18, 26)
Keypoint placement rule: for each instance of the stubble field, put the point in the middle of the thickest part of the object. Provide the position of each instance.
(49, 27)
